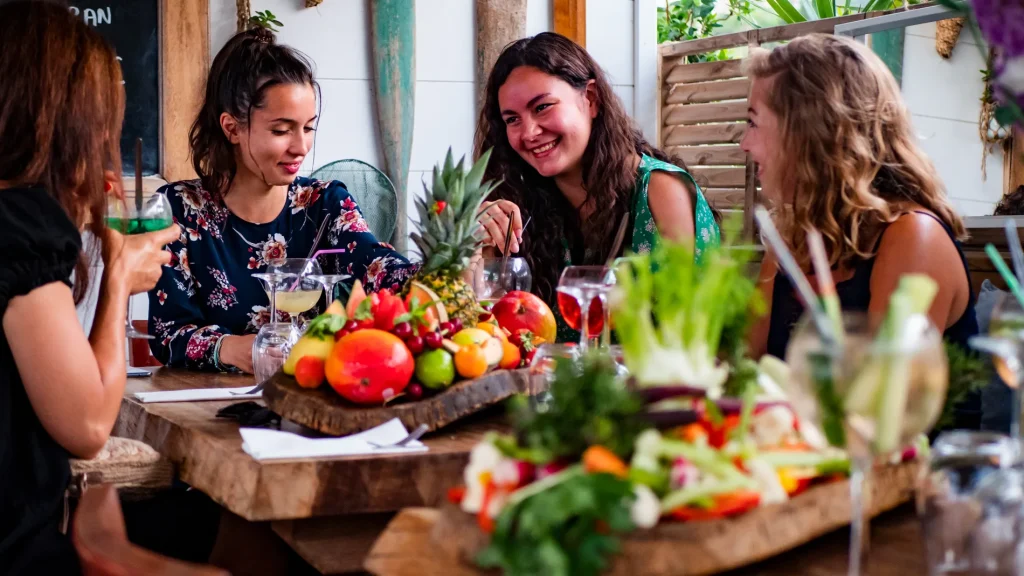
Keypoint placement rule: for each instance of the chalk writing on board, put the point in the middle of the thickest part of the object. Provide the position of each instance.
(93, 16)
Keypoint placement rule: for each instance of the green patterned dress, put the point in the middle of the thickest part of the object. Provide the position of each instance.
(645, 233)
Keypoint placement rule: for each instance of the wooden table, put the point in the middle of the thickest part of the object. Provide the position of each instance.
(312, 503)
(896, 550)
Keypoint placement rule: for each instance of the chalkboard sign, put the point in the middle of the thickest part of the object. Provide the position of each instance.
(131, 28)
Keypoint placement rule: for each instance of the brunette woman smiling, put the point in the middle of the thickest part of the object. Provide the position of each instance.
(570, 158)
(61, 109)
(248, 207)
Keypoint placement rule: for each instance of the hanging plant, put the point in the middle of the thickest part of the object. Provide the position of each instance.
(265, 19)
(313, 3)
(992, 133)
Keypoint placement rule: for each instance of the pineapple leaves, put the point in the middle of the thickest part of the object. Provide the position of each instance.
(476, 174)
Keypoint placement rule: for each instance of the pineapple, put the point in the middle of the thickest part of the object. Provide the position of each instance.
(446, 231)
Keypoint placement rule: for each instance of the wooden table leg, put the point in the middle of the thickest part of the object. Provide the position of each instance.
(249, 548)
(333, 544)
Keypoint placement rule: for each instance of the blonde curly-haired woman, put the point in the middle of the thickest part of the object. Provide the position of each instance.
(836, 150)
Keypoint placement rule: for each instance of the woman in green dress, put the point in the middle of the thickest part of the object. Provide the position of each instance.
(571, 159)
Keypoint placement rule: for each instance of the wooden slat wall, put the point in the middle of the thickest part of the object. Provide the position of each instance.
(704, 109)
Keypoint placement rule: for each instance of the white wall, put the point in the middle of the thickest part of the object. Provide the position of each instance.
(944, 97)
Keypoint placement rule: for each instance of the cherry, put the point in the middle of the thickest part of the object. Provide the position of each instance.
(351, 326)
(432, 340)
(446, 328)
(414, 391)
(403, 330)
(414, 344)
(341, 334)
(456, 326)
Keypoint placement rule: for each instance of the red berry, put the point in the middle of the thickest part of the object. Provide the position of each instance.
(403, 330)
(432, 340)
(341, 334)
(414, 391)
(446, 328)
(456, 325)
(414, 344)
(351, 326)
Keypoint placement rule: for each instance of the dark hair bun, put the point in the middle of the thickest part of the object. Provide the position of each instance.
(263, 35)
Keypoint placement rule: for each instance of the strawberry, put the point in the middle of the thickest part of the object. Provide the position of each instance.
(438, 206)
(309, 372)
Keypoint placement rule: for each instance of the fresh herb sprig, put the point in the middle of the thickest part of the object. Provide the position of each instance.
(589, 406)
(569, 529)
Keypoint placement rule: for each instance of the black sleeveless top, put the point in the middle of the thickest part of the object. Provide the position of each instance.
(38, 245)
(855, 294)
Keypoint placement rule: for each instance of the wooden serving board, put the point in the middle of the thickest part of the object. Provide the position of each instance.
(420, 541)
(324, 410)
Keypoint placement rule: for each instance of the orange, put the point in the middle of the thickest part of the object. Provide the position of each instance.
(470, 361)
(511, 356)
(493, 329)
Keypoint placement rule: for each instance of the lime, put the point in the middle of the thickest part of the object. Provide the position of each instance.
(435, 369)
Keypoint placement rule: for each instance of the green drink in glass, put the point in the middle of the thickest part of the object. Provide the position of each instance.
(155, 214)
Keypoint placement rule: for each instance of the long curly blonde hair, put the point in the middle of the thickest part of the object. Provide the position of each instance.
(853, 163)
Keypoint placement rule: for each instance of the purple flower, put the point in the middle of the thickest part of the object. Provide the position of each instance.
(1002, 24)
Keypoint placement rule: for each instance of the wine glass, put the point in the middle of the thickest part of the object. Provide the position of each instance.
(950, 491)
(491, 281)
(582, 292)
(155, 214)
(300, 290)
(867, 397)
(1005, 342)
(542, 366)
(274, 339)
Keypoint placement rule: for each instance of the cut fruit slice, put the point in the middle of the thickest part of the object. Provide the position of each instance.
(355, 298)
(435, 314)
(493, 351)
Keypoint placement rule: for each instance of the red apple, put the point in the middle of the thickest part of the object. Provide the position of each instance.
(519, 310)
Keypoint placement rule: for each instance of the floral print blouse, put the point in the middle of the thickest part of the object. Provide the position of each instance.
(207, 291)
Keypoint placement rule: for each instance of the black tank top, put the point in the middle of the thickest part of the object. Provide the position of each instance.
(855, 294)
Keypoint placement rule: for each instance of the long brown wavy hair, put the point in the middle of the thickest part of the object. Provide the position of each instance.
(61, 109)
(245, 68)
(608, 173)
(853, 159)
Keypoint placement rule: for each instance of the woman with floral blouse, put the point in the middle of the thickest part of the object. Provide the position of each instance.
(248, 208)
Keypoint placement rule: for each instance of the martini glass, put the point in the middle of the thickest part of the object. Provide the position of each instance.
(154, 215)
(867, 398)
(300, 291)
(328, 281)
(1005, 342)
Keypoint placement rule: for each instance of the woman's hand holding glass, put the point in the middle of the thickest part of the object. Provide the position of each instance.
(137, 261)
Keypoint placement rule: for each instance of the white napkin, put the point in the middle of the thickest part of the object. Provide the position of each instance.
(194, 394)
(264, 444)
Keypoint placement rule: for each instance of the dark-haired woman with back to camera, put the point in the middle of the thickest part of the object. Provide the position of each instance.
(249, 206)
(569, 157)
(61, 109)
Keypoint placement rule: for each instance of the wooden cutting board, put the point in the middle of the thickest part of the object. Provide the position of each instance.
(324, 410)
(422, 541)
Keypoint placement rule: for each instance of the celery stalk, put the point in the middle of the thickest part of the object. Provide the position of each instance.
(913, 296)
(685, 496)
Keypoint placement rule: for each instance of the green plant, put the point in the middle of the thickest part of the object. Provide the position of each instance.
(820, 9)
(265, 19)
(681, 20)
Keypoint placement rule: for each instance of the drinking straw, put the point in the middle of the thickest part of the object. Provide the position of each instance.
(1016, 254)
(826, 285)
(620, 235)
(327, 251)
(312, 254)
(796, 275)
(138, 178)
(1004, 271)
